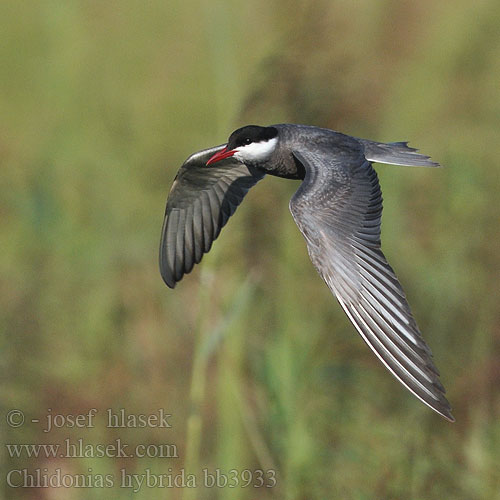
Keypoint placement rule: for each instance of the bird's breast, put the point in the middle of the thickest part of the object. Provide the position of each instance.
(285, 165)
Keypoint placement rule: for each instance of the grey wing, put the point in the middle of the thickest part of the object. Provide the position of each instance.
(338, 208)
(199, 204)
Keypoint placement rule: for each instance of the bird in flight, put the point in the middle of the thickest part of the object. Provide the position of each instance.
(338, 209)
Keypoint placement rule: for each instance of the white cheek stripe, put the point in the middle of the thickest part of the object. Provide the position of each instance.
(257, 151)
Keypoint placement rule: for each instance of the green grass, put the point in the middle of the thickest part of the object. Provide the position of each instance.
(101, 102)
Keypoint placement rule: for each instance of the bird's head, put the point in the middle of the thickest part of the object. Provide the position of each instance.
(250, 145)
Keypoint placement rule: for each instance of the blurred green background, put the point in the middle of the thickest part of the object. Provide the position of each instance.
(100, 102)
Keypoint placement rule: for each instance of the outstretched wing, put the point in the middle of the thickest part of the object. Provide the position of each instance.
(199, 204)
(338, 208)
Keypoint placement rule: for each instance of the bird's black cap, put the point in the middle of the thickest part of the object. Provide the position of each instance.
(249, 134)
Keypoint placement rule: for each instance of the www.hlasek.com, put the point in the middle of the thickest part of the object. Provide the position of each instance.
(56, 478)
(80, 449)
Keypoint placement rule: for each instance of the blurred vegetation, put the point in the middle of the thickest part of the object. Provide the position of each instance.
(100, 102)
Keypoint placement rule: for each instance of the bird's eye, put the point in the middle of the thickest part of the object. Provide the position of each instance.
(247, 141)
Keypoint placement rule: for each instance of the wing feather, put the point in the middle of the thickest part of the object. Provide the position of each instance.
(198, 236)
(188, 240)
(338, 209)
(200, 202)
(179, 248)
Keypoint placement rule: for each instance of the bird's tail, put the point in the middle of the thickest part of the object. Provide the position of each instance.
(395, 153)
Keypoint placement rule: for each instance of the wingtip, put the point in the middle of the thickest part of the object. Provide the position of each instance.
(170, 285)
(165, 272)
(167, 277)
(443, 408)
(446, 413)
(168, 281)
